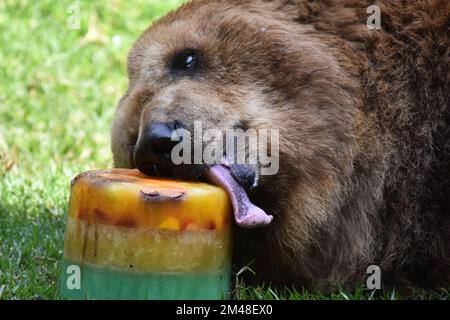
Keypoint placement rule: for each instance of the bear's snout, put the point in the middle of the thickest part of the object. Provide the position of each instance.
(154, 146)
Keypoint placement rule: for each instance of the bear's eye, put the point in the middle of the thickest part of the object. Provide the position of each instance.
(185, 61)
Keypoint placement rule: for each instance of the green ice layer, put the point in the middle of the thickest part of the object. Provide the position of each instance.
(90, 282)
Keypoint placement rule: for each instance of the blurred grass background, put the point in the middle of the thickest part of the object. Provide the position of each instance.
(59, 85)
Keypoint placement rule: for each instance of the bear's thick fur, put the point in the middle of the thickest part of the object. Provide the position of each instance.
(364, 119)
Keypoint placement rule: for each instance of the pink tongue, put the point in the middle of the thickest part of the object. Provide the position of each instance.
(246, 214)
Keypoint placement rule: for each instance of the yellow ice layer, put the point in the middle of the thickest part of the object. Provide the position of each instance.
(144, 250)
(124, 197)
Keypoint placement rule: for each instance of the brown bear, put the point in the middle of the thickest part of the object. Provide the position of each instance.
(364, 129)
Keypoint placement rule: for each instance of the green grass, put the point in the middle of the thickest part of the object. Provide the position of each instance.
(58, 91)
(361, 293)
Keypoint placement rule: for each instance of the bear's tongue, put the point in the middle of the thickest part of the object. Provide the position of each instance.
(246, 214)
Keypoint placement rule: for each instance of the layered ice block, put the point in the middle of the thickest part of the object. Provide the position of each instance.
(133, 237)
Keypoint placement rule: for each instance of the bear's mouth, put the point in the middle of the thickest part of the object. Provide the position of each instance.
(246, 214)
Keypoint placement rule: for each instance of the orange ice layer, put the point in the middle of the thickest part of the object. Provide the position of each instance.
(127, 198)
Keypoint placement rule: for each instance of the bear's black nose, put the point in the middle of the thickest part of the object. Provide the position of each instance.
(154, 146)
